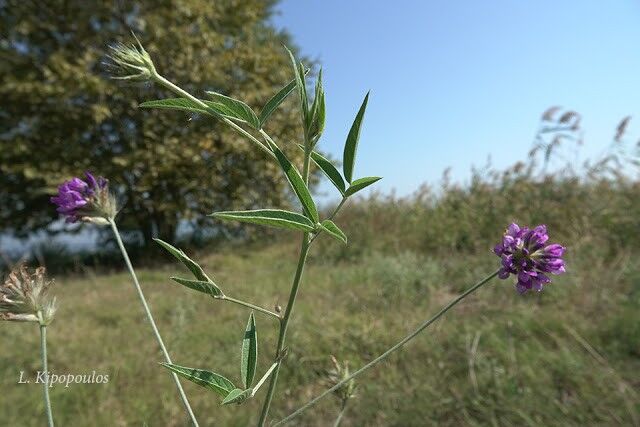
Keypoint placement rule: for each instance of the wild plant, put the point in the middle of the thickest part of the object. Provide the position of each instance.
(26, 297)
(524, 251)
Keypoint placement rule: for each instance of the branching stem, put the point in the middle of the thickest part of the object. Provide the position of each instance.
(249, 305)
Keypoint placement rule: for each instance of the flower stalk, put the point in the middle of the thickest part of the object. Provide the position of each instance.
(152, 322)
(391, 350)
(45, 369)
(26, 297)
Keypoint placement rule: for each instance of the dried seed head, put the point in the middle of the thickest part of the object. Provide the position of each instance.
(338, 374)
(550, 113)
(133, 62)
(25, 297)
(622, 128)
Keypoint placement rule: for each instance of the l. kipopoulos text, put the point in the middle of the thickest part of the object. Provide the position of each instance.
(66, 379)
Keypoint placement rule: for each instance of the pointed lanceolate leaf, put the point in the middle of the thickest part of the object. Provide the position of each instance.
(329, 170)
(298, 185)
(208, 379)
(237, 109)
(184, 104)
(197, 271)
(351, 145)
(271, 217)
(249, 358)
(317, 114)
(331, 228)
(208, 288)
(276, 100)
(237, 396)
(361, 183)
(299, 73)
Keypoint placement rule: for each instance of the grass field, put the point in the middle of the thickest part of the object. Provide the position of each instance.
(567, 356)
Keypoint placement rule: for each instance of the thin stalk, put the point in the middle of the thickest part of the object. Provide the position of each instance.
(45, 368)
(143, 300)
(249, 305)
(263, 379)
(177, 89)
(341, 414)
(335, 211)
(390, 350)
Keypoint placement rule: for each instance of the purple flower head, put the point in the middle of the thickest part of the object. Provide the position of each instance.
(78, 199)
(524, 254)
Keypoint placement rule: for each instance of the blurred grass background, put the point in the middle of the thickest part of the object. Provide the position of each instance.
(567, 356)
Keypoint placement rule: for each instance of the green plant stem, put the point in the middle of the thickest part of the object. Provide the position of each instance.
(249, 305)
(304, 250)
(178, 90)
(341, 414)
(390, 350)
(143, 300)
(45, 368)
(333, 214)
(337, 209)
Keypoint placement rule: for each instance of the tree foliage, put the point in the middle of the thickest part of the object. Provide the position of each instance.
(61, 113)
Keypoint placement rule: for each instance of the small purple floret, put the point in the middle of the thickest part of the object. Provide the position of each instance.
(524, 254)
(75, 197)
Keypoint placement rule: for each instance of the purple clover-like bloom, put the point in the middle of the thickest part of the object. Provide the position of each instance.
(79, 198)
(525, 255)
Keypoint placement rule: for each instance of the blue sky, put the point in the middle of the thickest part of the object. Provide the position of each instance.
(453, 82)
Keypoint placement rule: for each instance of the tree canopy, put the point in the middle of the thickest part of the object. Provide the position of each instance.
(61, 114)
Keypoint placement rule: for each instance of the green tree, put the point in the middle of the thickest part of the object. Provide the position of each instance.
(61, 114)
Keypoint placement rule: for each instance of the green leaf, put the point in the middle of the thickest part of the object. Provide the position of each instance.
(276, 100)
(361, 183)
(237, 109)
(197, 271)
(237, 396)
(208, 288)
(351, 145)
(183, 104)
(207, 379)
(331, 228)
(298, 70)
(271, 217)
(317, 115)
(329, 170)
(298, 185)
(249, 359)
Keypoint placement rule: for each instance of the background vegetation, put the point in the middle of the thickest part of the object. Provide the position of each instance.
(62, 114)
(567, 356)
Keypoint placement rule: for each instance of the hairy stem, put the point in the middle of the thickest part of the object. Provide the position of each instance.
(390, 350)
(143, 300)
(45, 368)
(249, 305)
